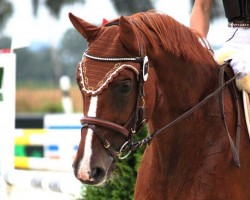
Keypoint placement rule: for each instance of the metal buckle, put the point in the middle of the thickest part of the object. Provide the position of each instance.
(124, 147)
(107, 145)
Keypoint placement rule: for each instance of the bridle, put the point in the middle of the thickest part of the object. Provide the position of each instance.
(138, 121)
(136, 118)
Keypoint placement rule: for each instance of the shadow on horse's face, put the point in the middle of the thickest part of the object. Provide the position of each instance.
(94, 162)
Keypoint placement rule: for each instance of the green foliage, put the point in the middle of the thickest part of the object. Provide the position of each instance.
(70, 50)
(132, 6)
(121, 186)
(34, 67)
(53, 6)
(5, 42)
(124, 7)
(52, 107)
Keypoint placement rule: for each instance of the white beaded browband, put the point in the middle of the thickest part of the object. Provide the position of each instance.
(135, 59)
(116, 69)
(142, 60)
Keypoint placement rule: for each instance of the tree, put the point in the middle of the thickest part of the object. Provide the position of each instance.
(132, 6)
(70, 51)
(53, 6)
(36, 65)
(6, 10)
(122, 6)
(33, 67)
(5, 42)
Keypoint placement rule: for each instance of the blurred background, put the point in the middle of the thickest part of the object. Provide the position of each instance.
(54, 48)
(48, 103)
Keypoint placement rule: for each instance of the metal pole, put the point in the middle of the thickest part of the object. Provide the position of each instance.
(66, 100)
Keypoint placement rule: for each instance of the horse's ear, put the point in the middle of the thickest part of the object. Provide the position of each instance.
(86, 29)
(128, 35)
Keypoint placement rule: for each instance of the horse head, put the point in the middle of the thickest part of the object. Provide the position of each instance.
(111, 77)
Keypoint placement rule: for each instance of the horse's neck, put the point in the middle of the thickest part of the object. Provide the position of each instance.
(179, 151)
(180, 87)
(195, 152)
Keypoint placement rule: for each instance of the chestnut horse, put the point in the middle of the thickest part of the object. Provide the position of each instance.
(148, 68)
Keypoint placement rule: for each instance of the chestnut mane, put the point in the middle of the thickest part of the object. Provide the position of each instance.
(165, 33)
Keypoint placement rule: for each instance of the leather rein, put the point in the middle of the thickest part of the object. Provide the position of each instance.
(137, 120)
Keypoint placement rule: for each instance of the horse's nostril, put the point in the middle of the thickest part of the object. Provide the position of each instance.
(97, 173)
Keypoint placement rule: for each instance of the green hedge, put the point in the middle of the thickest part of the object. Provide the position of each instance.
(121, 186)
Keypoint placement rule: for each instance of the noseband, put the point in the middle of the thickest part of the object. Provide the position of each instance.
(135, 121)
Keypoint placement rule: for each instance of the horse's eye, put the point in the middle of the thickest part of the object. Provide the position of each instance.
(125, 87)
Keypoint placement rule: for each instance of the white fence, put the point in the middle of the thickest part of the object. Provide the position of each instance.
(7, 116)
(61, 130)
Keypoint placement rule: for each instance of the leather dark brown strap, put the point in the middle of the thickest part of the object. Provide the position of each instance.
(234, 147)
(106, 124)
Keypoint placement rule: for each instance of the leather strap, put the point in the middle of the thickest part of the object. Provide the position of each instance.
(106, 124)
(234, 147)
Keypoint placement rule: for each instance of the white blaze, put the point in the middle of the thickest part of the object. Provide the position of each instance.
(85, 162)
